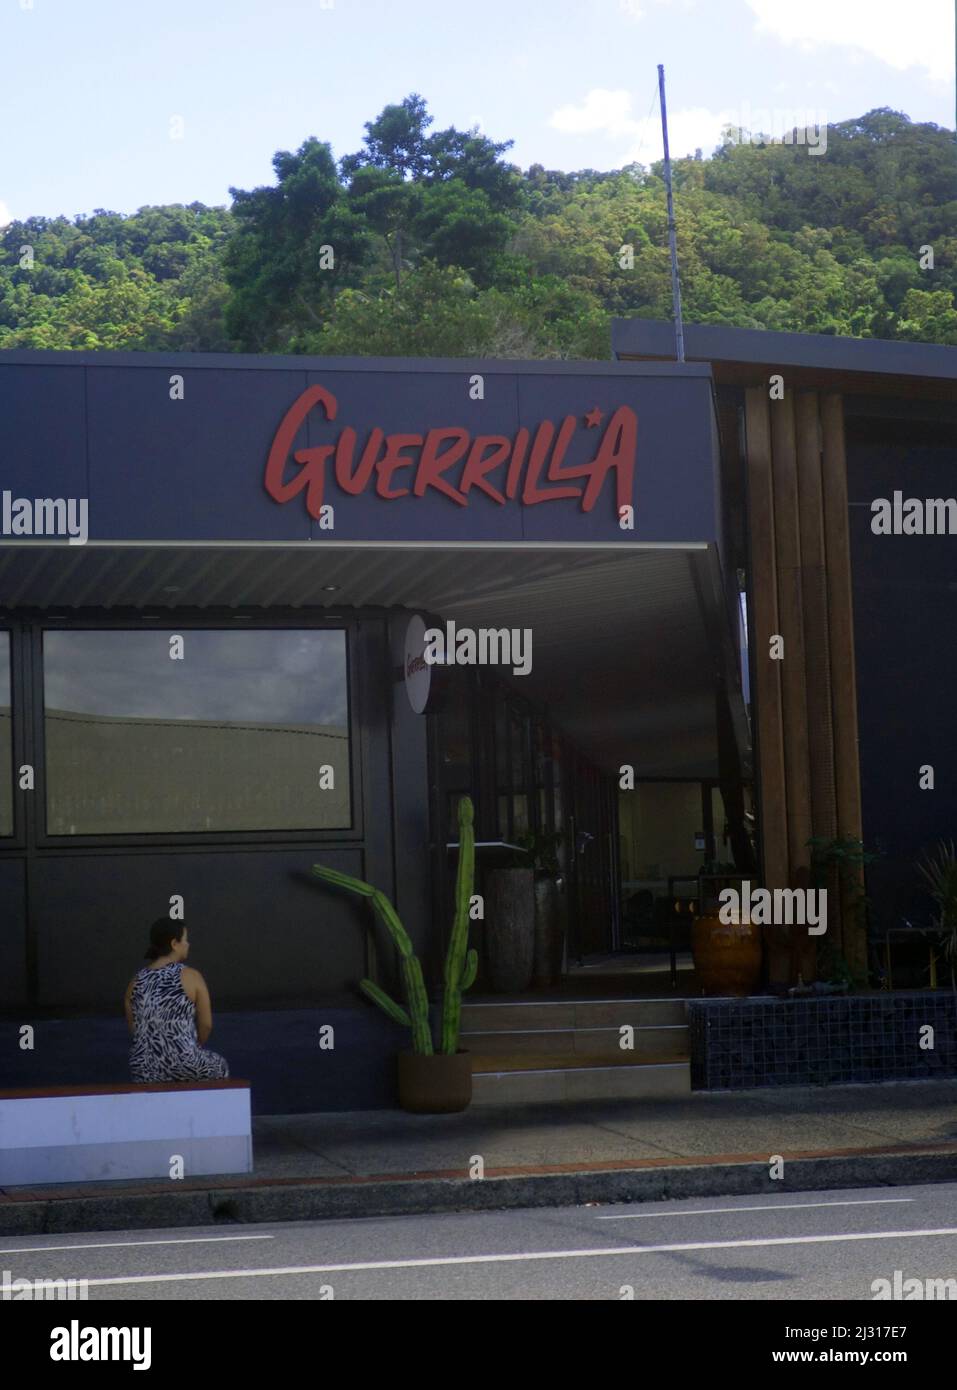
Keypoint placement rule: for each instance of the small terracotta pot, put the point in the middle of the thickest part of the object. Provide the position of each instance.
(437, 1085)
(727, 955)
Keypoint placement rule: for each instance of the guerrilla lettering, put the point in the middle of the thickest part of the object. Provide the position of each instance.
(450, 461)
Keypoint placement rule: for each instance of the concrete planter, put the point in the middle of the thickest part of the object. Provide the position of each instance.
(738, 1044)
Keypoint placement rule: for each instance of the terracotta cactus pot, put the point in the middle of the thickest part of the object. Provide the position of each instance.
(437, 1085)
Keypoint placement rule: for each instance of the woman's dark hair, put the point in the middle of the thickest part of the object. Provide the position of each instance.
(162, 932)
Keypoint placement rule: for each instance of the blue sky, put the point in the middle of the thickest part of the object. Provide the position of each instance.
(91, 89)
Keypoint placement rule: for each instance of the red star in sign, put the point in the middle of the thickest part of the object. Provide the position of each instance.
(592, 418)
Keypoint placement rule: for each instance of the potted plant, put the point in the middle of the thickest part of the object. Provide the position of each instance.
(837, 865)
(939, 872)
(727, 950)
(431, 1082)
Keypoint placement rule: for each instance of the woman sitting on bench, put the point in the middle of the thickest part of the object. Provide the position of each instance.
(169, 1013)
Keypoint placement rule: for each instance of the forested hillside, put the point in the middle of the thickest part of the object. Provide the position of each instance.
(434, 245)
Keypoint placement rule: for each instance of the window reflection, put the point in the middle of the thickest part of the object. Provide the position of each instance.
(242, 733)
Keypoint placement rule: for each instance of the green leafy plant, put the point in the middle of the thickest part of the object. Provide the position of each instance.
(712, 868)
(839, 861)
(938, 868)
(540, 852)
(834, 967)
(845, 853)
(461, 963)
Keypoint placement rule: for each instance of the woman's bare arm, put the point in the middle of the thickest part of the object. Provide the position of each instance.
(195, 987)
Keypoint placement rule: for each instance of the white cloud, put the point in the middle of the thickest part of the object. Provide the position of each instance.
(602, 111)
(6, 216)
(635, 10)
(902, 36)
(688, 130)
(609, 114)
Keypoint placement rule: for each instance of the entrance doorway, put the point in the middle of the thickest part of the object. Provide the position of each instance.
(614, 755)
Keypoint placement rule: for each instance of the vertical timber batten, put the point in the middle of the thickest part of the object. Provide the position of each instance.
(787, 533)
(767, 673)
(843, 675)
(817, 652)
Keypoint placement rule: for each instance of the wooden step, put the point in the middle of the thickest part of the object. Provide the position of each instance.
(551, 1014)
(667, 1041)
(528, 1078)
(560, 1061)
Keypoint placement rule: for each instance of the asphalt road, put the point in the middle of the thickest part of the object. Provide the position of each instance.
(819, 1246)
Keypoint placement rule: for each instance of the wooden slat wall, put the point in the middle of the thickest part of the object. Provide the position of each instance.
(806, 704)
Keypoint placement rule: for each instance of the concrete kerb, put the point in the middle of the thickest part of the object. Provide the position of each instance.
(420, 1196)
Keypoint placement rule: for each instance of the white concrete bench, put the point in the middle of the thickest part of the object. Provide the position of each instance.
(97, 1133)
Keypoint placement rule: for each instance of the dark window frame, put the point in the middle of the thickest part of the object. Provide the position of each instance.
(16, 838)
(196, 620)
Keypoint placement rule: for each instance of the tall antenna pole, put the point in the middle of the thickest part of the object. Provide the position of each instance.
(672, 237)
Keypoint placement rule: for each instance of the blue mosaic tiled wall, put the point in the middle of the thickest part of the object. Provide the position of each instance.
(738, 1043)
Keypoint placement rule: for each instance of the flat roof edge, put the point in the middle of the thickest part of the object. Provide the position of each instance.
(719, 343)
(37, 357)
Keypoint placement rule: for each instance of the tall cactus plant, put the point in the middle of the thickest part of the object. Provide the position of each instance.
(461, 961)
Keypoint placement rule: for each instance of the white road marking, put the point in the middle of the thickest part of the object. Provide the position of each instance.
(124, 1244)
(779, 1206)
(600, 1253)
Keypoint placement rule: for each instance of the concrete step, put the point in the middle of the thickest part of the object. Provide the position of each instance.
(550, 1014)
(528, 1078)
(667, 1041)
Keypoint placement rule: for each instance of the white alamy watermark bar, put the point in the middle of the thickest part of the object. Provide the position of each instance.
(926, 1288)
(483, 646)
(25, 1290)
(777, 125)
(76, 1343)
(66, 517)
(778, 907)
(915, 516)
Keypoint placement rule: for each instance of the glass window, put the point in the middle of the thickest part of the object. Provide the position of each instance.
(6, 739)
(454, 727)
(219, 730)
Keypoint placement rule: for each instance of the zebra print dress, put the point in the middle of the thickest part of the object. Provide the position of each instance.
(165, 1046)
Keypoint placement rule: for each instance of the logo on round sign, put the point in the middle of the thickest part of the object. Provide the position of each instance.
(418, 672)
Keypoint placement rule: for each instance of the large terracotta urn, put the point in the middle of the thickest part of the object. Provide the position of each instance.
(727, 955)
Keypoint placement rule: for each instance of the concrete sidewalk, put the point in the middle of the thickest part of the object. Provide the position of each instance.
(385, 1162)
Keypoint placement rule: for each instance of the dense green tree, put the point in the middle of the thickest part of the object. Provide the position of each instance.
(445, 196)
(295, 245)
(111, 281)
(439, 246)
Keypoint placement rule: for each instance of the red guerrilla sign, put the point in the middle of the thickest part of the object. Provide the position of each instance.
(430, 462)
